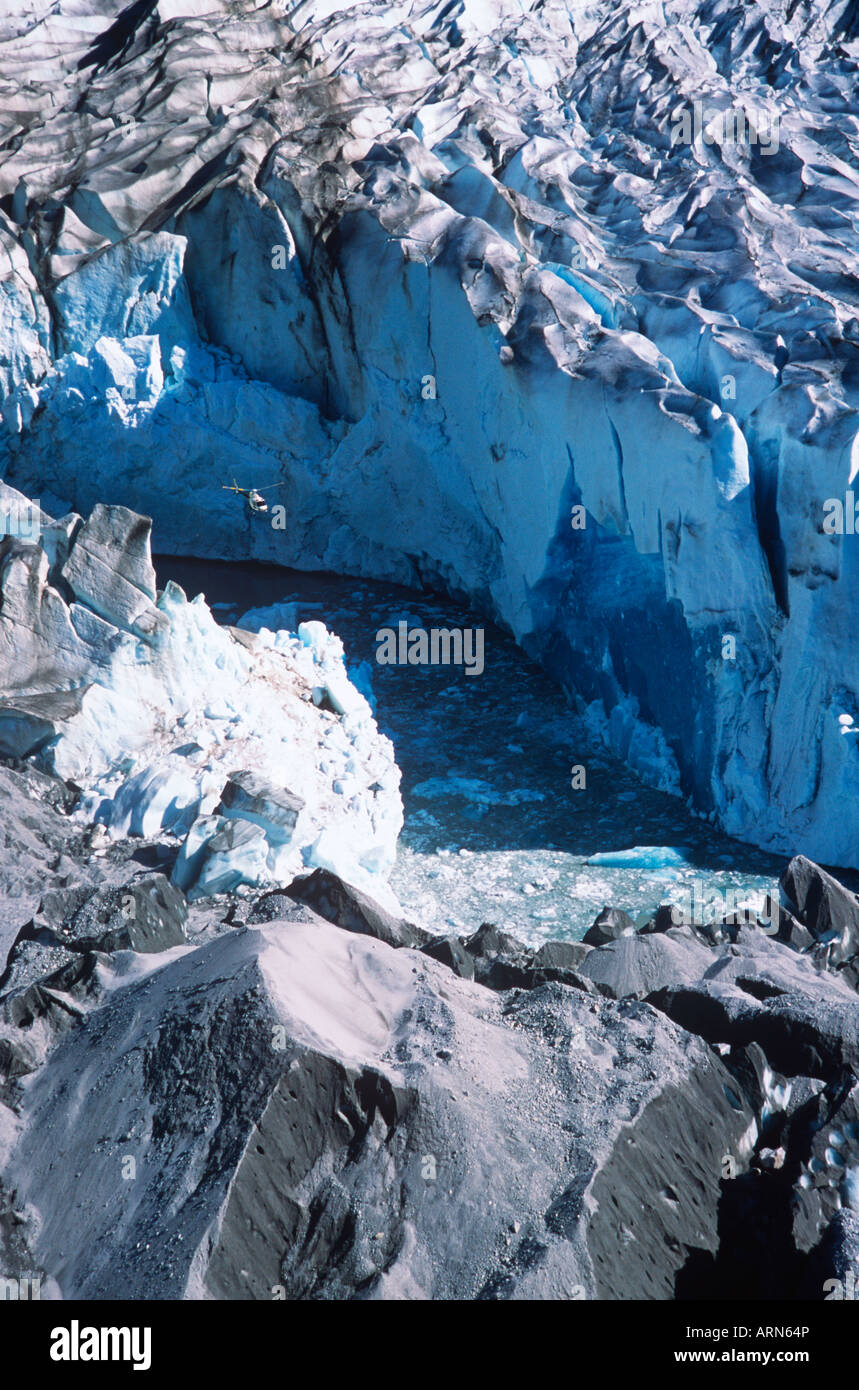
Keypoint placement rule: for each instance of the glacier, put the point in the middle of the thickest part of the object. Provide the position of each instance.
(544, 311)
(437, 275)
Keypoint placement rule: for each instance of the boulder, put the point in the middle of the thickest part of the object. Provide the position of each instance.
(666, 917)
(500, 961)
(148, 914)
(450, 951)
(348, 907)
(561, 955)
(800, 1036)
(611, 923)
(828, 910)
(636, 966)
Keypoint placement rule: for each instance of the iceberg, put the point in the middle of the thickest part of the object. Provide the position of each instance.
(641, 857)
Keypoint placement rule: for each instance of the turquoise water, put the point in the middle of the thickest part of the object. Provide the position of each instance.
(494, 830)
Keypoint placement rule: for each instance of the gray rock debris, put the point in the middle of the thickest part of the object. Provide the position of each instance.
(314, 1110)
(319, 1103)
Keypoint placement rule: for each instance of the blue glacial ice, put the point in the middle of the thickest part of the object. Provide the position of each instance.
(641, 857)
(485, 315)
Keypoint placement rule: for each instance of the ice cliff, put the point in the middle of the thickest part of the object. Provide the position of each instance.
(442, 273)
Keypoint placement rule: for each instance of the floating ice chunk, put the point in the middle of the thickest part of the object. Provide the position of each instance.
(642, 857)
(276, 617)
(475, 790)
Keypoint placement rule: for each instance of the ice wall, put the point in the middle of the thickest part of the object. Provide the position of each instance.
(440, 275)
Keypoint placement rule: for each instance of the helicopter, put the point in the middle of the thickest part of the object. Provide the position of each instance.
(255, 499)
